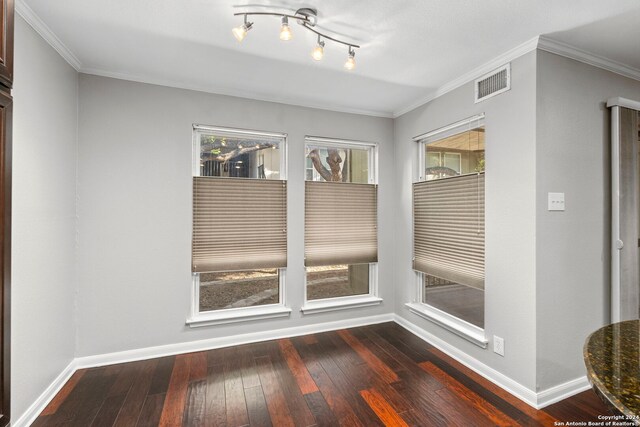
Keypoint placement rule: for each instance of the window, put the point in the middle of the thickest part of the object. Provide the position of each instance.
(239, 244)
(341, 244)
(449, 222)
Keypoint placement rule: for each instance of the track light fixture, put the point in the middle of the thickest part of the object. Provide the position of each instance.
(240, 32)
(285, 30)
(351, 60)
(318, 51)
(307, 18)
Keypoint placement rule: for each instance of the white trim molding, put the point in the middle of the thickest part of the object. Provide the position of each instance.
(454, 325)
(333, 304)
(562, 391)
(539, 42)
(219, 342)
(30, 415)
(236, 93)
(23, 9)
(623, 102)
(234, 315)
(470, 76)
(568, 51)
(537, 400)
(518, 390)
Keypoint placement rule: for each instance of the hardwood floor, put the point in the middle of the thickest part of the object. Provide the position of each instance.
(368, 376)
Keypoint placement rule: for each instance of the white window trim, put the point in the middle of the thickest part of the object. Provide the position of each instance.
(451, 129)
(345, 143)
(233, 315)
(353, 301)
(340, 303)
(466, 330)
(453, 324)
(242, 314)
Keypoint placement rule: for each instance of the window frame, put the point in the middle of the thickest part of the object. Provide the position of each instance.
(418, 306)
(197, 318)
(346, 302)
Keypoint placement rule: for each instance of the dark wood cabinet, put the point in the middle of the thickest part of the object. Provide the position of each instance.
(6, 108)
(6, 43)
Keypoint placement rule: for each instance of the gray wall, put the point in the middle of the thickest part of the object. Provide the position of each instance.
(572, 247)
(44, 214)
(125, 283)
(510, 215)
(135, 208)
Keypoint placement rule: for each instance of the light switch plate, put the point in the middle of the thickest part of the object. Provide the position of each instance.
(498, 345)
(556, 201)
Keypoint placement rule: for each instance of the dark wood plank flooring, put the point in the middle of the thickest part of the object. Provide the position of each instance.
(369, 376)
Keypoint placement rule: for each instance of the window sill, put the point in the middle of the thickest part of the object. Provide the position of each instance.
(459, 327)
(343, 303)
(235, 315)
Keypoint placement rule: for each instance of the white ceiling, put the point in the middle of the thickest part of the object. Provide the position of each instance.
(410, 48)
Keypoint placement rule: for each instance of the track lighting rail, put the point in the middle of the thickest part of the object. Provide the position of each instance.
(307, 18)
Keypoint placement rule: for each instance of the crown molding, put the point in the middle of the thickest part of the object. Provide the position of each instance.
(510, 55)
(23, 9)
(540, 42)
(45, 32)
(572, 52)
(229, 92)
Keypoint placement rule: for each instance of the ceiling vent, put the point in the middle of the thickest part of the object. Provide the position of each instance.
(494, 83)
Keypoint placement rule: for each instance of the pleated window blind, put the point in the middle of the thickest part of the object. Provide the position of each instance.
(340, 223)
(449, 228)
(238, 224)
(448, 205)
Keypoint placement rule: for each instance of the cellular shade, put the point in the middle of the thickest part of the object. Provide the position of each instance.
(340, 223)
(448, 229)
(238, 224)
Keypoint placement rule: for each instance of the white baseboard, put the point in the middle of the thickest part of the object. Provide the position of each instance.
(562, 391)
(501, 380)
(208, 344)
(30, 415)
(536, 400)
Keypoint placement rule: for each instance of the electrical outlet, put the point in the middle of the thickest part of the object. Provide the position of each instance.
(498, 345)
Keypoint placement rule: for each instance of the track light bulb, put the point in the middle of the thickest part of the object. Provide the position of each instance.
(240, 32)
(318, 51)
(351, 61)
(285, 30)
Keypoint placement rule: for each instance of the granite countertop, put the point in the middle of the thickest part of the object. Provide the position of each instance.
(612, 357)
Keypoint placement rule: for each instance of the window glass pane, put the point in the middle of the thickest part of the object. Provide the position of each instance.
(326, 163)
(463, 302)
(433, 159)
(230, 153)
(452, 161)
(234, 289)
(338, 163)
(239, 156)
(332, 281)
(461, 154)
